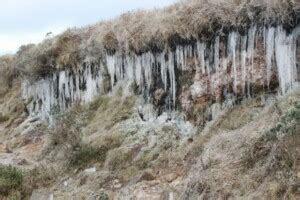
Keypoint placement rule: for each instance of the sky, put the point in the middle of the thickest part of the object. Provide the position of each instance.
(28, 21)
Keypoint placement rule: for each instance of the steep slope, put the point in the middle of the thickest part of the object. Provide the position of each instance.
(105, 149)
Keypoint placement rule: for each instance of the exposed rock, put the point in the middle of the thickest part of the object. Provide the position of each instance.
(23, 162)
(91, 170)
(41, 195)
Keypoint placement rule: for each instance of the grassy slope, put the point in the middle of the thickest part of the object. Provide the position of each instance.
(232, 157)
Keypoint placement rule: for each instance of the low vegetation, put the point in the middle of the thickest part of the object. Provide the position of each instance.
(39, 177)
(276, 154)
(11, 180)
(86, 154)
(272, 142)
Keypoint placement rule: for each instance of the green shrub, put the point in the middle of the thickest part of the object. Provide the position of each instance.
(87, 154)
(10, 180)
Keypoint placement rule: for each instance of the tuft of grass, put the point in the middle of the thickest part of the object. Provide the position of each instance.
(119, 159)
(144, 161)
(124, 112)
(11, 180)
(100, 103)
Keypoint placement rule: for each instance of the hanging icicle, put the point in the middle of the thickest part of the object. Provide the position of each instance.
(211, 63)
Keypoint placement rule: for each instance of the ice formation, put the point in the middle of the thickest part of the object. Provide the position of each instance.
(62, 89)
(226, 67)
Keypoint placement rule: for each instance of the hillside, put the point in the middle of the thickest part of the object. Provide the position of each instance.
(199, 100)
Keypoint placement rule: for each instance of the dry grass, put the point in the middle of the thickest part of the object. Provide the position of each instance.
(11, 104)
(8, 72)
(141, 31)
(40, 177)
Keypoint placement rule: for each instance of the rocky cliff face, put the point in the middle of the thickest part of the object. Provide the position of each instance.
(190, 77)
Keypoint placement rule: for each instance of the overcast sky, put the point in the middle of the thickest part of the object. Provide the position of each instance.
(28, 21)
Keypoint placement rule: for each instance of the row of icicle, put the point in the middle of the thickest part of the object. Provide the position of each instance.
(206, 60)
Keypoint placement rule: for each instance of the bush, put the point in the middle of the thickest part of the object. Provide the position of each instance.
(86, 155)
(62, 134)
(67, 127)
(10, 180)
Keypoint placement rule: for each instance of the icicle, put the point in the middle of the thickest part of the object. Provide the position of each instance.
(163, 70)
(147, 63)
(232, 50)
(139, 71)
(171, 68)
(200, 50)
(216, 54)
(243, 62)
(269, 39)
(130, 68)
(285, 59)
(180, 57)
(250, 55)
(110, 61)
